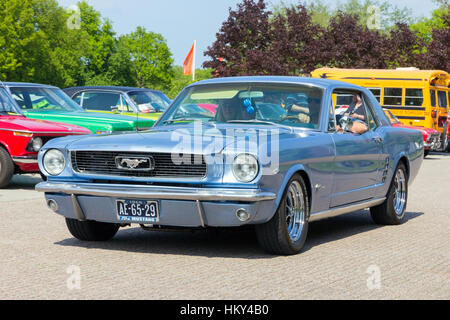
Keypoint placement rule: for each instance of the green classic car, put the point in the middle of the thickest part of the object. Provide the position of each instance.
(50, 103)
(130, 101)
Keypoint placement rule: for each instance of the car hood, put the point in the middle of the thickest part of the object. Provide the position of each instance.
(185, 139)
(21, 123)
(92, 117)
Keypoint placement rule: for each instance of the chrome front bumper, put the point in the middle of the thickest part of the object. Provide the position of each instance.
(156, 192)
(180, 206)
(25, 160)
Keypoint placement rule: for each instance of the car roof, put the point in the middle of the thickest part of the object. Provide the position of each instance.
(28, 84)
(324, 83)
(71, 91)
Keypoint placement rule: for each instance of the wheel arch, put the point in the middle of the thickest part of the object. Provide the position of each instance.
(303, 172)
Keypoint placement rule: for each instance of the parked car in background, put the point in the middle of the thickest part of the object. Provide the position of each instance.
(129, 101)
(431, 137)
(230, 169)
(22, 138)
(50, 103)
(446, 138)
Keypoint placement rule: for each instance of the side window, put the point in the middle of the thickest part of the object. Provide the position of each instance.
(77, 98)
(376, 92)
(123, 105)
(433, 97)
(414, 97)
(101, 101)
(392, 96)
(442, 97)
(332, 119)
(371, 120)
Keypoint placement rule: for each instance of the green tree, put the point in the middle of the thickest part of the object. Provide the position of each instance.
(180, 81)
(151, 59)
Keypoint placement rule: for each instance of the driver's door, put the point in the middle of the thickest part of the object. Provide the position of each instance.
(356, 165)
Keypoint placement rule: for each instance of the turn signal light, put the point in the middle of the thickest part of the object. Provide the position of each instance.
(433, 114)
(23, 134)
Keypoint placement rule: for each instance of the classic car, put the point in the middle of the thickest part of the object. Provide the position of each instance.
(129, 101)
(431, 137)
(231, 169)
(22, 138)
(446, 135)
(50, 103)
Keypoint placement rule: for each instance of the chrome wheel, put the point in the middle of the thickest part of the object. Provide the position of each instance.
(399, 192)
(295, 211)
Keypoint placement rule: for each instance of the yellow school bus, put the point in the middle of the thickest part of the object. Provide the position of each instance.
(416, 97)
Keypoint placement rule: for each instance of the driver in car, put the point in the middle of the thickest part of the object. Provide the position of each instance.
(357, 112)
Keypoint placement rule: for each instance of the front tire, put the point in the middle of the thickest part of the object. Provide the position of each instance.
(6, 168)
(285, 233)
(426, 153)
(91, 230)
(392, 210)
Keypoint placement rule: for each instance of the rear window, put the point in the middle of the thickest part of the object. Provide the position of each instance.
(343, 99)
(433, 98)
(393, 96)
(414, 97)
(442, 97)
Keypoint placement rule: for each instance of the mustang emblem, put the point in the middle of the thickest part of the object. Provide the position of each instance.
(134, 163)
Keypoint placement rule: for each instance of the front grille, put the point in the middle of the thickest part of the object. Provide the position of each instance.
(104, 163)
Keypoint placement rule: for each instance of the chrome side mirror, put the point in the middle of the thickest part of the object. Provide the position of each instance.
(346, 123)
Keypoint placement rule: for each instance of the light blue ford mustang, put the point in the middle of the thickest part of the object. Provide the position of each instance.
(275, 155)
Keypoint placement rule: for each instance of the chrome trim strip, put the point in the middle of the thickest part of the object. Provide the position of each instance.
(26, 160)
(77, 208)
(63, 133)
(345, 209)
(156, 192)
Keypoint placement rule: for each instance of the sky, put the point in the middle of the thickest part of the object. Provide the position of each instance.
(183, 21)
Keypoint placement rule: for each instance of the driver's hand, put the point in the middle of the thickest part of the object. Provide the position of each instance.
(304, 118)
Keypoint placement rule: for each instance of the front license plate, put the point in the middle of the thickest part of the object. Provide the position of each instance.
(138, 211)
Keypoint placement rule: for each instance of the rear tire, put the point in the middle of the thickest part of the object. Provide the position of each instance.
(285, 233)
(392, 210)
(91, 230)
(6, 168)
(426, 153)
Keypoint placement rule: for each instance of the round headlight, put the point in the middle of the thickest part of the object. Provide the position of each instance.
(54, 162)
(37, 144)
(245, 167)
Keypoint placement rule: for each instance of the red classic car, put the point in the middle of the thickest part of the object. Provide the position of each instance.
(22, 138)
(431, 137)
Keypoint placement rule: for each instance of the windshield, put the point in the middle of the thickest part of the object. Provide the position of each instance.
(7, 105)
(293, 105)
(33, 99)
(391, 117)
(150, 101)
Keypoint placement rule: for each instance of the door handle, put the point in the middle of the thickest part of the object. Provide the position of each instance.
(378, 139)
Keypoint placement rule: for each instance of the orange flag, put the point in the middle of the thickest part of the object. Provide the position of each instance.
(188, 65)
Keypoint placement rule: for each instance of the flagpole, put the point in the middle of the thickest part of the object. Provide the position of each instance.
(193, 63)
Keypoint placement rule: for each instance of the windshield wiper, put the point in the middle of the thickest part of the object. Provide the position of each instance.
(186, 119)
(261, 122)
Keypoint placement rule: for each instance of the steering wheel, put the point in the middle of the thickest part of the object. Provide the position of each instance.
(297, 120)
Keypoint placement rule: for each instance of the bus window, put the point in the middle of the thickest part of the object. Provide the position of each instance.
(433, 98)
(344, 99)
(414, 97)
(393, 96)
(442, 97)
(377, 93)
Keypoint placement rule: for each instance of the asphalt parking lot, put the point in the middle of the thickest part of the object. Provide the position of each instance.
(346, 257)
